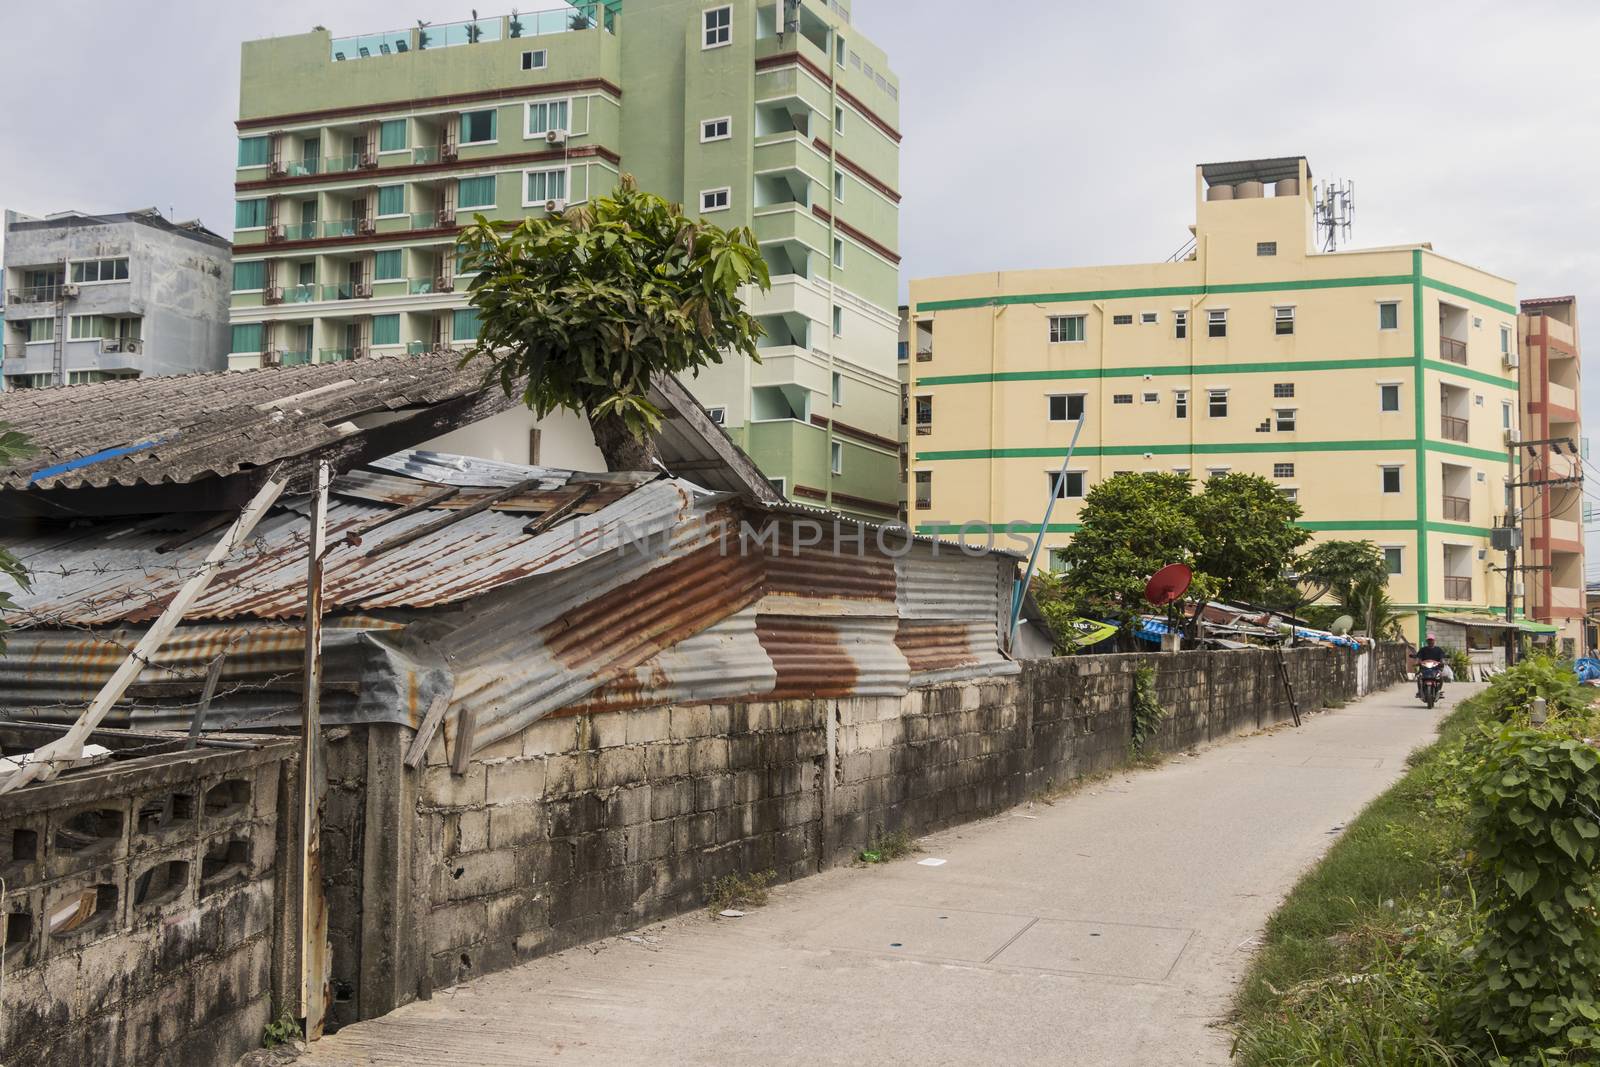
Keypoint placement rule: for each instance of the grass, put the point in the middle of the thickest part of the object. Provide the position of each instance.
(889, 847)
(738, 891)
(1363, 957)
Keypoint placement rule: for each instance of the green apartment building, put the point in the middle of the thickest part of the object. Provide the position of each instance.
(360, 157)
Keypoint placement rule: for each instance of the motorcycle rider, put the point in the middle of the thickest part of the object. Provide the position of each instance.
(1428, 650)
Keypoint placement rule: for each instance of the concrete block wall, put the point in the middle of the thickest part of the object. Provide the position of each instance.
(588, 825)
(174, 964)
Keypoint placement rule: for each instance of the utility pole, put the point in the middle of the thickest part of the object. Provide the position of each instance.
(1509, 536)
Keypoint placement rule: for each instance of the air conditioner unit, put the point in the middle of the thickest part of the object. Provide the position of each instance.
(448, 152)
(363, 290)
(276, 232)
(272, 357)
(553, 206)
(1512, 361)
(365, 226)
(1512, 437)
(69, 292)
(111, 344)
(556, 137)
(131, 346)
(369, 160)
(447, 216)
(444, 283)
(362, 353)
(273, 295)
(277, 168)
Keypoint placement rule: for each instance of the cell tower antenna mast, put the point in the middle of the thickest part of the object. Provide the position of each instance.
(1335, 208)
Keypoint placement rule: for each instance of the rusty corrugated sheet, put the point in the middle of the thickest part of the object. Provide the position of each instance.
(943, 650)
(832, 657)
(724, 662)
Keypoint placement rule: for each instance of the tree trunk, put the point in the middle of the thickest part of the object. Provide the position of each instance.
(621, 449)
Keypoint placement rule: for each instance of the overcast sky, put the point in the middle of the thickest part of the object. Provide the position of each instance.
(1037, 132)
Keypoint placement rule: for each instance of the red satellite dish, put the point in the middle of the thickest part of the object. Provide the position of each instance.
(1168, 584)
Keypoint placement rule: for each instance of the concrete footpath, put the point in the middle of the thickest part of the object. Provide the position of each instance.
(1109, 927)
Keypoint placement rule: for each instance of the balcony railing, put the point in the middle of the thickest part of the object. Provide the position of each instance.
(426, 154)
(1457, 588)
(1458, 508)
(34, 294)
(580, 16)
(339, 228)
(301, 294)
(924, 355)
(294, 359)
(342, 164)
(1452, 351)
(341, 291)
(298, 231)
(302, 168)
(1452, 428)
(334, 355)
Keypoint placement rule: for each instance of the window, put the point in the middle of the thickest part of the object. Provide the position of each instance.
(465, 324)
(1180, 403)
(1067, 407)
(386, 329)
(476, 192)
(246, 337)
(547, 115)
(1282, 321)
(1151, 398)
(1505, 340)
(924, 483)
(1283, 390)
(1283, 470)
(1266, 248)
(1391, 479)
(1217, 403)
(1388, 397)
(1284, 419)
(100, 270)
(837, 390)
(249, 214)
(836, 457)
(1217, 472)
(478, 127)
(1122, 398)
(254, 151)
(1394, 558)
(717, 23)
(1505, 414)
(1389, 315)
(716, 129)
(248, 277)
(1148, 318)
(714, 199)
(391, 200)
(838, 251)
(41, 330)
(538, 59)
(386, 266)
(838, 321)
(1217, 322)
(392, 135)
(1066, 328)
(1180, 324)
(838, 185)
(1289, 493)
(1122, 320)
(1070, 486)
(719, 416)
(838, 49)
(542, 186)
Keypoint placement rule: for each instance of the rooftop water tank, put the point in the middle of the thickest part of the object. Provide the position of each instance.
(1219, 192)
(1287, 187)
(1247, 191)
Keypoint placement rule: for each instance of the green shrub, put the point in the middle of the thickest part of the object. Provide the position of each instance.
(1536, 830)
(1510, 696)
(1460, 663)
(1148, 714)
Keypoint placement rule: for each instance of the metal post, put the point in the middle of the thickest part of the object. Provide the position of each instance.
(1511, 600)
(1038, 542)
(314, 958)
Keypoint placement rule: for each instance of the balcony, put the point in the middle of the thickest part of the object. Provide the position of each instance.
(1563, 530)
(1452, 351)
(334, 355)
(296, 231)
(1457, 588)
(1457, 508)
(1452, 428)
(34, 294)
(582, 15)
(790, 152)
(301, 294)
(294, 359)
(1560, 396)
(301, 168)
(341, 291)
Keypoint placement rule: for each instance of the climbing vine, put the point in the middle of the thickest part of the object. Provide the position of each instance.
(1148, 714)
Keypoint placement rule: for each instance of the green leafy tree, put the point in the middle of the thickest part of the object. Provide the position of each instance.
(1248, 535)
(1338, 567)
(580, 310)
(1130, 526)
(13, 446)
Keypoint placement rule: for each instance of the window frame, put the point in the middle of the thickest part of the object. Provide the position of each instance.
(1278, 420)
(1383, 388)
(1122, 399)
(494, 127)
(726, 192)
(1216, 317)
(1277, 395)
(249, 263)
(838, 321)
(1180, 403)
(549, 102)
(1180, 324)
(76, 272)
(1282, 470)
(838, 185)
(725, 135)
(1066, 406)
(1279, 319)
(1266, 248)
(494, 183)
(1400, 564)
(1149, 318)
(708, 32)
(836, 389)
(237, 204)
(1212, 397)
(377, 202)
(395, 315)
(836, 457)
(566, 184)
(1122, 318)
(528, 62)
(1384, 470)
(1060, 483)
(405, 137)
(838, 252)
(921, 479)
(266, 156)
(399, 252)
(1083, 329)
(1382, 304)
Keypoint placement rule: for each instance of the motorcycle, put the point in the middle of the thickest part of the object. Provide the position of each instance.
(1430, 679)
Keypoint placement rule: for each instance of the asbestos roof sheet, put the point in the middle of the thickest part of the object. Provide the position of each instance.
(181, 428)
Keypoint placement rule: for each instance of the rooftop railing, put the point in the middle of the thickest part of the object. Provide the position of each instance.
(581, 15)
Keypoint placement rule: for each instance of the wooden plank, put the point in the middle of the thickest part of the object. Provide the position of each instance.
(70, 746)
(427, 529)
(433, 500)
(466, 726)
(430, 726)
(314, 957)
(213, 672)
(550, 518)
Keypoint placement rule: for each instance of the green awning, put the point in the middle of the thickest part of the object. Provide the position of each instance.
(1528, 627)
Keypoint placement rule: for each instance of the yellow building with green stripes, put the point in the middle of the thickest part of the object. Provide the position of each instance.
(1376, 386)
